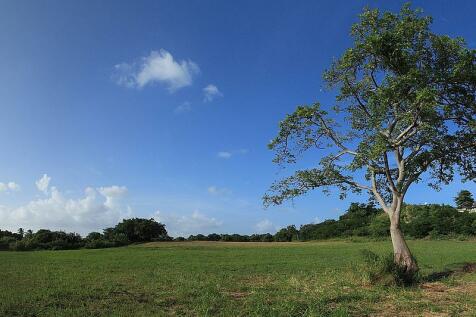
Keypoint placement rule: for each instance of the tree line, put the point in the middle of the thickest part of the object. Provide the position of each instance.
(365, 220)
(128, 231)
(360, 220)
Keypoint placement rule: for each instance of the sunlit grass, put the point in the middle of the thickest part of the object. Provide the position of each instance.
(228, 279)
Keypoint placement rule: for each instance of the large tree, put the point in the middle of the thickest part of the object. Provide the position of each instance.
(405, 108)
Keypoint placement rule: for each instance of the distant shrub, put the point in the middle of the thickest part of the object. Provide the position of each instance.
(213, 237)
(267, 237)
(380, 226)
(94, 236)
(102, 244)
(139, 230)
(5, 242)
(290, 233)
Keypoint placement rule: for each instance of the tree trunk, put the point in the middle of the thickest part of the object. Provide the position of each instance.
(402, 255)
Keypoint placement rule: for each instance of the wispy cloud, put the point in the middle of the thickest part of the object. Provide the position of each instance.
(224, 155)
(183, 107)
(43, 183)
(265, 226)
(218, 191)
(159, 67)
(229, 154)
(211, 92)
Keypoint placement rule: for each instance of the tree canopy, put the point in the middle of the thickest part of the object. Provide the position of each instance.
(409, 101)
(464, 200)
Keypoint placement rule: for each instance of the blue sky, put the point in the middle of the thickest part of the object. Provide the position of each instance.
(164, 108)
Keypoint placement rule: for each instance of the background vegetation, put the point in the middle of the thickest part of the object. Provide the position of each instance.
(431, 221)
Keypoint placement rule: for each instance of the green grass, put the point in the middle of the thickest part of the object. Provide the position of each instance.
(229, 279)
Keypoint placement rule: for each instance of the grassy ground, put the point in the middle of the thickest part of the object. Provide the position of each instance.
(230, 279)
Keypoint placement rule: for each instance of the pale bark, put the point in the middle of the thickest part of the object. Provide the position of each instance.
(401, 252)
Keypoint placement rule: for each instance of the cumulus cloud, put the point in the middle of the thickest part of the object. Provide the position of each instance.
(211, 92)
(113, 195)
(9, 187)
(97, 209)
(159, 67)
(265, 226)
(185, 225)
(184, 107)
(43, 183)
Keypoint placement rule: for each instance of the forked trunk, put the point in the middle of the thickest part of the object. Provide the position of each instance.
(402, 255)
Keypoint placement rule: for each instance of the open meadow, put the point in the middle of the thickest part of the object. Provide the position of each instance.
(233, 279)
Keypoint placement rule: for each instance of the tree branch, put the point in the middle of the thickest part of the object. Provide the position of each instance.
(392, 186)
(376, 193)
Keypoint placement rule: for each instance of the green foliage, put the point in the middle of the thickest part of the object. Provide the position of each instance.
(355, 222)
(126, 232)
(6, 242)
(407, 96)
(198, 237)
(360, 220)
(48, 240)
(213, 237)
(7, 233)
(433, 220)
(380, 226)
(464, 200)
(94, 236)
(419, 221)
(288, 234)
(141, 230)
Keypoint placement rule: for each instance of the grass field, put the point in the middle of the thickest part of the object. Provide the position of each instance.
(230, 279)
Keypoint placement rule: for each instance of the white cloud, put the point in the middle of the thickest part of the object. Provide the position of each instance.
(211, 92)
(97, 209)
(229, 154)
(113, 194)
(224, 155)
(184, 107)
(185, 225)
(113, 191)
(265, 226)
(158, 67)
(316, 220)
(9, 187)
(13, 186)
(214, 190)
(43, 183)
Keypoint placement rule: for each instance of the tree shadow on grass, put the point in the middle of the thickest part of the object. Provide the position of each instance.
(452, 269)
